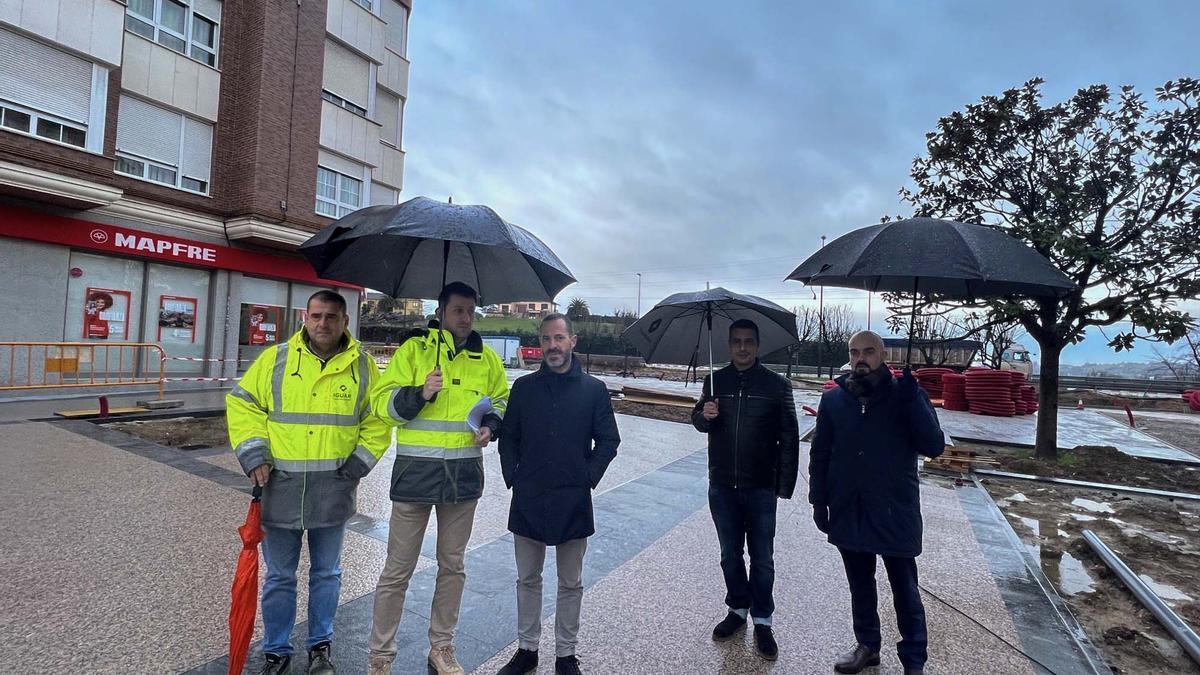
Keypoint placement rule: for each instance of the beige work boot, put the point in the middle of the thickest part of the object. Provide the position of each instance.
(379, 665)
(442, 661)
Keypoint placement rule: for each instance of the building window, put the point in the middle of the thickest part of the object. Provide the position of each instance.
(204, 40)
(337, 194)
(162, 146)
(343, 103)
(170, 23)
(39, 124)
(155, 172)
(365, 4)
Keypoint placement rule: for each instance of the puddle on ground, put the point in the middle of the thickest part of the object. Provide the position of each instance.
(1093, 506)
(1019, 497)
(1164, 591)
(1069, 575)
(1064, 570)
(1083, 518)
(1135, 531)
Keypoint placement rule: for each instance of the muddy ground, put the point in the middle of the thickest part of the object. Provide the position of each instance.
(185, 433)
(194, 433)
(1182, 432)
(1098, 464)
(1097, 399)
(669, 413)
(1157, 538)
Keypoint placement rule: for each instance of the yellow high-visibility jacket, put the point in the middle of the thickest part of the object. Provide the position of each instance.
(312, 422)
(437, 461)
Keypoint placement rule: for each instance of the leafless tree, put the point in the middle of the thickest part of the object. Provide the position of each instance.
(807, 323)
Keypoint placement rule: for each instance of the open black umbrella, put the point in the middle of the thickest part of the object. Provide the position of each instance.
(674, 329)
(927, 255)
(412, 249)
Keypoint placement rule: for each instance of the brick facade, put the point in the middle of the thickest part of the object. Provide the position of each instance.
(265, 145)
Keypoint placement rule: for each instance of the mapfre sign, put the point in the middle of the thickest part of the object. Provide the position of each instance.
(35, 226)
(172, 247)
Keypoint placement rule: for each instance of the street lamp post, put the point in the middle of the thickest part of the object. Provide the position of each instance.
(639, 307)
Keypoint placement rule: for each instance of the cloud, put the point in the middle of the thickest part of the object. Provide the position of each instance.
(704, 141)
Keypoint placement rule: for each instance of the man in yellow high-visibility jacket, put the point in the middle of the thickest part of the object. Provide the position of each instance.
(428, 390)
(301, 424)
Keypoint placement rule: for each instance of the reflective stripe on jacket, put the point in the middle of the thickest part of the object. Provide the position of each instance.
(312, 422)
(437, 461)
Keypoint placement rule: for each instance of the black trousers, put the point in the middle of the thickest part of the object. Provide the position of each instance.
(906, 596)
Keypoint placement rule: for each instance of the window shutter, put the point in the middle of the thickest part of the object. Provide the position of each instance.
(387, 113)
(44, 78)
(210, 9)
(347, 74)
(149, 131)
(396, 16)
(197, 149)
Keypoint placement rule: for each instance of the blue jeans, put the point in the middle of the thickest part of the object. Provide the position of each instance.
(745, 518)
(281, 548)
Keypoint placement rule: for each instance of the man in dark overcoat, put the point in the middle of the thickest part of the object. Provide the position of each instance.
(865, 493)
(557, 439)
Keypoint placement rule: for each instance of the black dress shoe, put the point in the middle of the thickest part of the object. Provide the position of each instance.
(731, 624)
(525, 661)
(567, 665)
(764, 642)
(857, 660)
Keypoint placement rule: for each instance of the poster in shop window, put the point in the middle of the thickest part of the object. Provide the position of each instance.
(260, 324)
(176, 318)
(105, 314)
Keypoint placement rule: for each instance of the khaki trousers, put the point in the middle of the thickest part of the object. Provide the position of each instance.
(454, 522)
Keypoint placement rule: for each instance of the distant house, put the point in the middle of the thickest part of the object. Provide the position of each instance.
(526, 309)
(402, 306)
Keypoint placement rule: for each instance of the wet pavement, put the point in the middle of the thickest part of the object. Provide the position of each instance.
(119, 554)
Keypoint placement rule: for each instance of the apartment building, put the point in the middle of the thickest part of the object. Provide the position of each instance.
(160, 160)
(534, 309)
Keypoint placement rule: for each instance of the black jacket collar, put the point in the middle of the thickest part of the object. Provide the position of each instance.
(882, 389)
(732, 369)
(575, 371)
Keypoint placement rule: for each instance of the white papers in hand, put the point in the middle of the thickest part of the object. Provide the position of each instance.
(475, 417)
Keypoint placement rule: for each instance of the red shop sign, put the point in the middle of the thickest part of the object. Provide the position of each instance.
(32, 225)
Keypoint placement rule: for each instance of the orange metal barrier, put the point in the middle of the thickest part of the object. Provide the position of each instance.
(54, 365)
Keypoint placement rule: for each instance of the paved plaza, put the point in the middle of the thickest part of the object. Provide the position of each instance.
(119, 554)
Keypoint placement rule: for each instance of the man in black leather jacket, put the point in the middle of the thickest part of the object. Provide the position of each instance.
(753, 458)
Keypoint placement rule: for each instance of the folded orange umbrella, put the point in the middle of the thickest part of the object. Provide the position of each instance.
(245, 587)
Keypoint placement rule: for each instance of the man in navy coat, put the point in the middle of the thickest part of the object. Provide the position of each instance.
(865, 494)
(557, 439)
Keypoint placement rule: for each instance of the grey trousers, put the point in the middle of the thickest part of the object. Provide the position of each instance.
(531, 557)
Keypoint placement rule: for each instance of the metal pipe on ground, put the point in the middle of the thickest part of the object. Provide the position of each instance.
(1131, 489)
(1179, 630)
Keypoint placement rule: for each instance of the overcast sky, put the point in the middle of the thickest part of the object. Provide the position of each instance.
(716, 142)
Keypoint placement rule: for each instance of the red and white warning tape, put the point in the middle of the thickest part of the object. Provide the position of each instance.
(192, 358)
(201, 379)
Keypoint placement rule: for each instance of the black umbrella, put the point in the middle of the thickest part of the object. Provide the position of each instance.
(412, 249)
(674, 329)
(927, 255)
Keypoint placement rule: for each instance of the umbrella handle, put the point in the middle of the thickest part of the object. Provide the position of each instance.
(437, 358)
(712, 380)
(257, 493)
